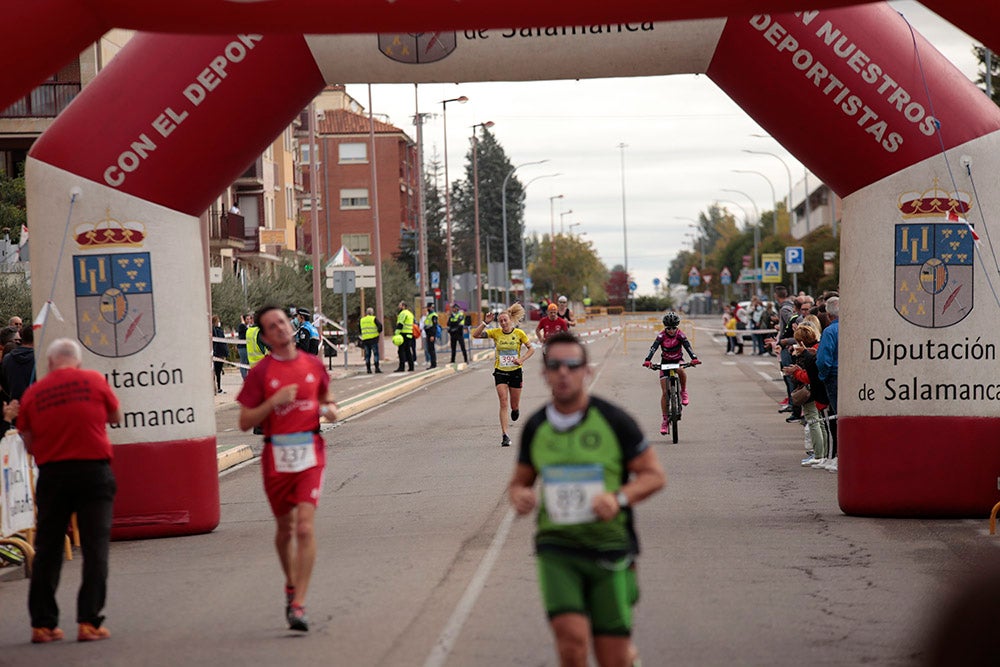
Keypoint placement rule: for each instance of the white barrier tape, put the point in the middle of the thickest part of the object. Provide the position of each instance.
(739, 332)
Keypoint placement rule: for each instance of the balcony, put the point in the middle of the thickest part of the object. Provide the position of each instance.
(46, 101)
(230, 231)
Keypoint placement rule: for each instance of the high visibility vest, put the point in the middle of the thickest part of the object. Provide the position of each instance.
(404, 323)
(429, 319)
(368, 328)
(254, 351)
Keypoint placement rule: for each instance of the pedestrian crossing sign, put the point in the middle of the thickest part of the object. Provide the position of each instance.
(771, 264)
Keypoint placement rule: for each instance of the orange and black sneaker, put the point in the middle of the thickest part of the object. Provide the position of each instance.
(297, 618)
(89, 633)
(45, 635)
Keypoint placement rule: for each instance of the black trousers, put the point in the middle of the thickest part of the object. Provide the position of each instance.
(371, 347)
(407, 353)
(87, 488)
(458, 339)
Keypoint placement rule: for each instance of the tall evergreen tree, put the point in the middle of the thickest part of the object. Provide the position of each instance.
(493, 167)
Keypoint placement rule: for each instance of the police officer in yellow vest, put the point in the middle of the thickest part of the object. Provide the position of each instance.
(456, 331)
(256, 348)
(404, 328)
(370, 330)
(430, 335)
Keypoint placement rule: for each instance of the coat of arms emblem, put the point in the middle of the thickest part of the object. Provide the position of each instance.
(417, 47)
(934, 256)
(114, 291)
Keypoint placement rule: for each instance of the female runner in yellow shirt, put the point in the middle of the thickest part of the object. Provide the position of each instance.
(508, 361)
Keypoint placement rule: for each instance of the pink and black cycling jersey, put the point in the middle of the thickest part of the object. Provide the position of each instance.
(671, 346)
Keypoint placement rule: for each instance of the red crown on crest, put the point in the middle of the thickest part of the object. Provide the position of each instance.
(109, 233)
(934, 203)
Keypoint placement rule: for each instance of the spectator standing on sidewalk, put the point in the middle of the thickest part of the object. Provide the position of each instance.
(287, 393)
(62, 422)
(827, 362)
(220, 352)
(241, 348)
(371, 329)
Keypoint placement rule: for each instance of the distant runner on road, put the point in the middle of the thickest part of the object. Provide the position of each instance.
(508, 361)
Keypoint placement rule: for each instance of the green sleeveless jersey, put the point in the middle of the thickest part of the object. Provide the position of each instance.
(574, 465)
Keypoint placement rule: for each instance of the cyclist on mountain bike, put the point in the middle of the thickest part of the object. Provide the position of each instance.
(670, 342)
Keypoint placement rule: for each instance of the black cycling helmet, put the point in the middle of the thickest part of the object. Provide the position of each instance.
(671, 319)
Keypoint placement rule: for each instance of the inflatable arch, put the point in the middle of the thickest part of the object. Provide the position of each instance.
(868, 105)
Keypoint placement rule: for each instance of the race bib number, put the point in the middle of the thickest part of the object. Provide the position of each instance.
(507, 360)
(293, 452)
(570, 492)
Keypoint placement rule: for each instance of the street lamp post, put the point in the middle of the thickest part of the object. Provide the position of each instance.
(701, 237)
(475, 207)
(552, 239)
(774, 196)
(571, 226)
(524, 250)
(791, 211)
(756, 238)
(447, 194)
(622, 147)
(503, 208)
(561, 216)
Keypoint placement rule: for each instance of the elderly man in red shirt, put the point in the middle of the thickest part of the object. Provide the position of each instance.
(62, 420)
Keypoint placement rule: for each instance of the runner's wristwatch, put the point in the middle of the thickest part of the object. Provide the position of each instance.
(622, 499)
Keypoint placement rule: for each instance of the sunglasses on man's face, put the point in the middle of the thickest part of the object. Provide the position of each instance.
(571, 364)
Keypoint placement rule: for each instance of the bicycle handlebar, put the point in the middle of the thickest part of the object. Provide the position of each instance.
(665, 366)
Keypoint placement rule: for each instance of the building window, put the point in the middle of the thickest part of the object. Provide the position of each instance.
(289, 203)
(354, 198)
(304, 154)
(359, 244)
(307, 203)
(353, 152)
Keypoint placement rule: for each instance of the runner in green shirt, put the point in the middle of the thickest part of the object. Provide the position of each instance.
(595, 465)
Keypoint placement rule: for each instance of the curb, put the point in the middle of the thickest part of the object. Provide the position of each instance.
(234, 456)
(350, 407)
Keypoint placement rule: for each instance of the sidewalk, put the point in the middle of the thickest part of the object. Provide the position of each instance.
(353, 388)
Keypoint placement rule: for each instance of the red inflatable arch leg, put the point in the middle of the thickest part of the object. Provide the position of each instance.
(147, 158)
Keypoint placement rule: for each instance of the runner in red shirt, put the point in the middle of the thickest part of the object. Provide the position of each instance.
(550, 324)
(287, 393)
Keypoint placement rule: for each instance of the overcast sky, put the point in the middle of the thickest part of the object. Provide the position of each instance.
(683, 137)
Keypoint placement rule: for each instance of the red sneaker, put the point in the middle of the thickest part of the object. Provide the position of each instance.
(784, 401)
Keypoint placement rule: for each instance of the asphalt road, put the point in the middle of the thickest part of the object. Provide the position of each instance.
(747, 559)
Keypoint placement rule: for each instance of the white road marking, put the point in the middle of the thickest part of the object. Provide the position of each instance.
(446, 640)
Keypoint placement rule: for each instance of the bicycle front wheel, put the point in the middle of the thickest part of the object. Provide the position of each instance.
(675, 409)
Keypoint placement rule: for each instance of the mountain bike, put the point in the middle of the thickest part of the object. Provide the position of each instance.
(674, 406)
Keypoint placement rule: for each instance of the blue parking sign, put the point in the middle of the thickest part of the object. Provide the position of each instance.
(794, 258)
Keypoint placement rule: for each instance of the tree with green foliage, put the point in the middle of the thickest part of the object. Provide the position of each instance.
(493, 167)
(13, 205)
(577, 267)
(434, 215)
